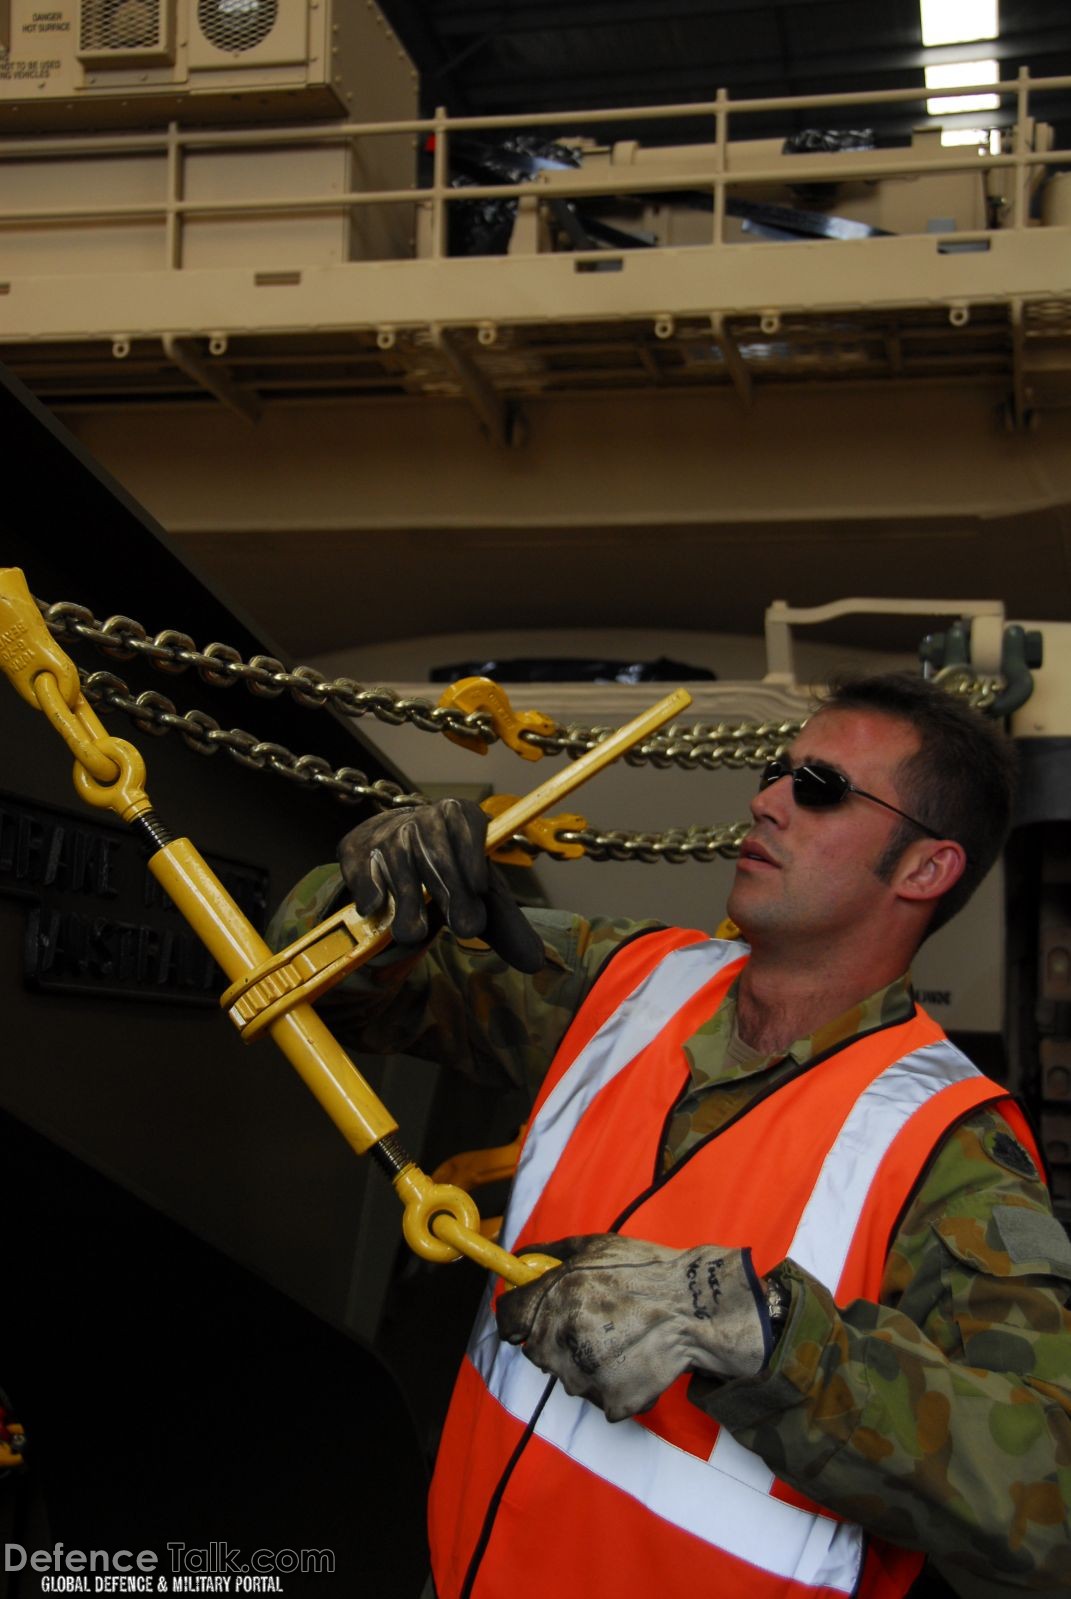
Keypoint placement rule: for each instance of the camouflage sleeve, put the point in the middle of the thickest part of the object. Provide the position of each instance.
(939, 1419)
(459, 1003)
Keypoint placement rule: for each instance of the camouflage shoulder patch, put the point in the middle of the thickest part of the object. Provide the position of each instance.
(1008, 1152)
(548, 920)
(1033, 1235)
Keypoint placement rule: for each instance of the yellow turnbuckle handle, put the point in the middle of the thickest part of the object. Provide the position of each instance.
(440, 1221)
(320, 958)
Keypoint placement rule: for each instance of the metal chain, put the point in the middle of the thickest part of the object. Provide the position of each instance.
(676, 845)
(155, 714)
(981, 692)
(704, 745)
(121, 638)
(708, 746)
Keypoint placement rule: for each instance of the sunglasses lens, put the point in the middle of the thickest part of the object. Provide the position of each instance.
(814, 787)
(818, 786)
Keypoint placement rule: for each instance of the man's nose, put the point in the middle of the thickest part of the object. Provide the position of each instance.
(773, 802)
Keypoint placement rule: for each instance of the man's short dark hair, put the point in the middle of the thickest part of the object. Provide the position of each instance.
(960, 781)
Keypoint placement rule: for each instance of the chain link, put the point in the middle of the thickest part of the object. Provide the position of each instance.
(981, 692)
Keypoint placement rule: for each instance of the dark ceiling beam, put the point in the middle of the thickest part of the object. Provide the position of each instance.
(488, 21)
(462, 16)
(1032, 47)
(438, 81)
(895, 68)
(895, 127)
(667, 86)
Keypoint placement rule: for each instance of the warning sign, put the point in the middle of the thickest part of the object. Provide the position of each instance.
(31, 43)
(19, 67)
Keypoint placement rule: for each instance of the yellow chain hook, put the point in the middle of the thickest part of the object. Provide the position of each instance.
(108, 772)
(542, 833)
(483, 695)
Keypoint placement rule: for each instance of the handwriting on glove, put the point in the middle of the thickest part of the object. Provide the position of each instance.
(621, 1319)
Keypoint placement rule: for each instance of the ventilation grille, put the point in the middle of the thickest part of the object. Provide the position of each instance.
(121, 27)
(236, 25)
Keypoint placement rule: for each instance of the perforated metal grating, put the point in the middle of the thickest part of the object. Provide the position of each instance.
(121, 25)
(236, 25)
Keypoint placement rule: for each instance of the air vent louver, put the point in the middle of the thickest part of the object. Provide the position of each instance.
(235, 25)
(121, 26)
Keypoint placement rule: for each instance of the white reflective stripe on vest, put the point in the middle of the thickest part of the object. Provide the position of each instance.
(826, 1228)
(618, 1041)
(684, 1490)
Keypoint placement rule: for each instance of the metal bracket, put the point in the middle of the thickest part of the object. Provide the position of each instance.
(501, 419)
(183, 355)
(735, 364)
(1019, 413)
(780, 619)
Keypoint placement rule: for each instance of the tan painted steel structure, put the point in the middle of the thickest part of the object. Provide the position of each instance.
(723, 419)
(242, 258)
(98, 64)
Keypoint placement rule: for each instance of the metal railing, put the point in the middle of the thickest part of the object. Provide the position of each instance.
(175, 144)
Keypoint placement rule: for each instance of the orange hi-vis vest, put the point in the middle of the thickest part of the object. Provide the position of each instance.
(536, 1493)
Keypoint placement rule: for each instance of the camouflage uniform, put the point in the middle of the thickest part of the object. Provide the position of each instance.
(939, 1418)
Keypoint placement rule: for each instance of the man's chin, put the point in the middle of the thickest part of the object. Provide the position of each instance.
(754, 914)
(737, 912)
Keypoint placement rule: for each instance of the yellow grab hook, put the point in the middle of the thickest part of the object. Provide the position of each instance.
(483, 694)
(542, 833)
(108, 772)
(26, 646)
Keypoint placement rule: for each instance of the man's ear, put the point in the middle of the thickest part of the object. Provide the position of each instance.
(928, 869)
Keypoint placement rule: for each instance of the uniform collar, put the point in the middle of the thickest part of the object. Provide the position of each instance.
(717, 1053)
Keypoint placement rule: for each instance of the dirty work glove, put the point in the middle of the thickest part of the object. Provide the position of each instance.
(438, 847)
(621, 1319)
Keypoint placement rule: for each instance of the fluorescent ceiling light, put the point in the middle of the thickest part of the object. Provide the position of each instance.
(956, 72)
(953, 21)
(975, 136)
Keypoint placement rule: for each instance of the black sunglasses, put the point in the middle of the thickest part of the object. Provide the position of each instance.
(817, 787)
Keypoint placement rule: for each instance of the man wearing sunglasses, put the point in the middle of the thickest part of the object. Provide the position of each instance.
(809, 1323)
